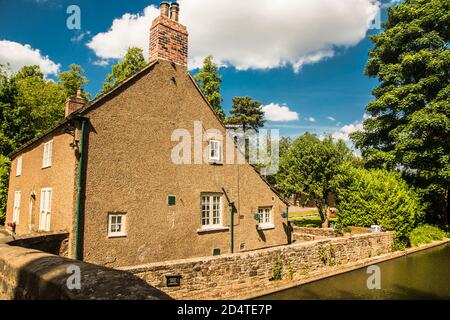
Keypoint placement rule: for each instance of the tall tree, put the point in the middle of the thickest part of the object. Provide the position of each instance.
(132, 62)
(409, 123)
(4, 181)
(308, 168)
(246, 113)
(209, 81)
(72, 80)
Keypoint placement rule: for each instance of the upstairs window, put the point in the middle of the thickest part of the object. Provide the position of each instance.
(214, 151)
(47, 159)
(16, 210)
(116, 225)
(19, 167)
(211, 210)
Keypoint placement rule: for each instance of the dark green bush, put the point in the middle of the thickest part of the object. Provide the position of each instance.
(425, 234)
(4, 178)
(377, 197)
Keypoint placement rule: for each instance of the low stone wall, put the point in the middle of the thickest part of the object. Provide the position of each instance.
(54, 243)
(31, 274)
(231, 276)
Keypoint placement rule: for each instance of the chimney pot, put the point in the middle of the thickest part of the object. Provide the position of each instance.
(174, 11)
(74, 103)
(164, 8)
(168, 37)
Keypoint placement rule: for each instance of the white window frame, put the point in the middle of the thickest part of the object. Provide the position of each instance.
(123, 224)
(216, 146)
(47, 156)
(19, 166)
(45, 209)
(16, 209)
(209, 218)
(266, 214)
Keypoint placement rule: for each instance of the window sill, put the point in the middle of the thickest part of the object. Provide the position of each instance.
(212, 229)
(47, 167)
(115, 236)
(215, 163)
(268, 226)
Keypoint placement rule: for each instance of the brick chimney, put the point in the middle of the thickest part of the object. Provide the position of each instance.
(169, 38)
(74, 103)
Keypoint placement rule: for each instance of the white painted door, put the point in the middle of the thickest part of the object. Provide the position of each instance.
(45, 209)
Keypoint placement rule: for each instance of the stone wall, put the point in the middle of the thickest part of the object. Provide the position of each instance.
(35, 275)
(231, 276)
(54, 243)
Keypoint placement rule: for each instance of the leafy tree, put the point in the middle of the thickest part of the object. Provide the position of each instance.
(368, 197)
(4, 180)
(308, 168)
(409, 123)
(247, 113)
(284, 144)
(72, 80)
(132, 62)
(209, 81)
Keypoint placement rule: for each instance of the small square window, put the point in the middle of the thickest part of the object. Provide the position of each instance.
(265, 218)
(216, 252)
(116, 225)
(171, 200)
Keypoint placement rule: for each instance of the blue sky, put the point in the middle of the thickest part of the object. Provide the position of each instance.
(317, 75)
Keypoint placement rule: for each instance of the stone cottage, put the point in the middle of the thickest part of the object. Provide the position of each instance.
(107, 175)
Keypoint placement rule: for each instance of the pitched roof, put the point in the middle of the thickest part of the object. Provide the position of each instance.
(93, 103)
(77, 114)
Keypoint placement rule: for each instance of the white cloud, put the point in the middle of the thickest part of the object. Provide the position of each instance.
(130, 30)
(251, 34)
(344, 132)
(101, 63)
(18, 55)
(331, 119)
(311, 119)
(279, 113)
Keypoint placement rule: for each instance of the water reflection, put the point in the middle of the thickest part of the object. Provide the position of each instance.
(423, 275)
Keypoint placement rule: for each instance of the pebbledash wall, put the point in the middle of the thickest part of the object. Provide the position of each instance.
(243, 274)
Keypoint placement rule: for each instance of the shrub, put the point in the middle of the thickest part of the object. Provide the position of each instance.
(368, 197)
(425, 234)
(4, 178)
(277, 269)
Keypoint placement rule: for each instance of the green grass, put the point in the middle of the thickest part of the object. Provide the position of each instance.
(303, 213)
(309, 222)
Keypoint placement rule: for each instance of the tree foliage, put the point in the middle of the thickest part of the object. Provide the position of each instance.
(4, 180)
(132, 62)
(377, 197)
(308, 168)
(72, 80)
(409, 123)
(246, 113)
(209, 81)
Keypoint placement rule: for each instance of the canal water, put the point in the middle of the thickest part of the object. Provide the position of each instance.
(422, 275)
